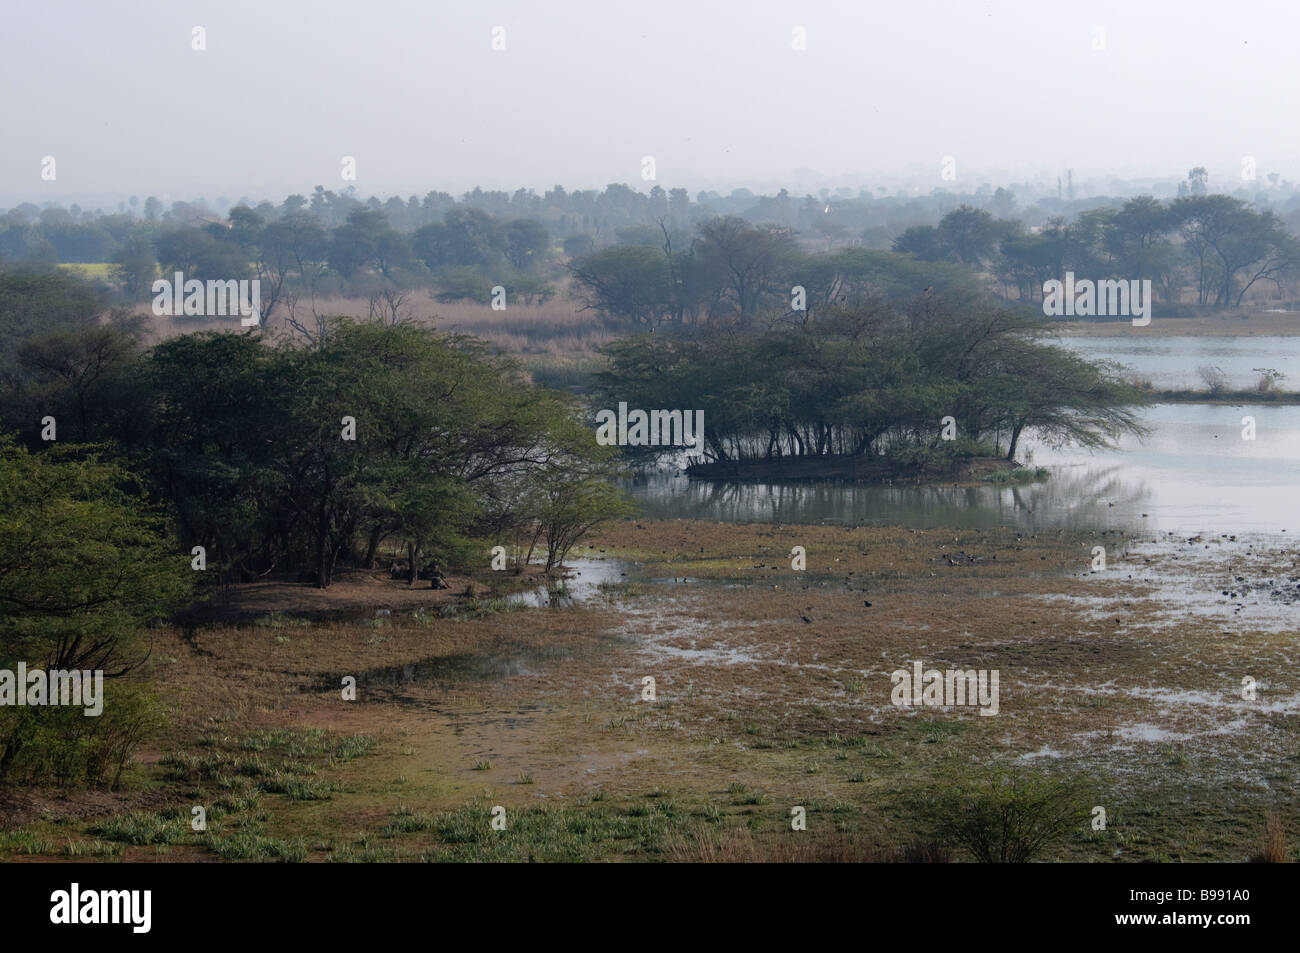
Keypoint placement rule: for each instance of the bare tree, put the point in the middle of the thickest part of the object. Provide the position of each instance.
(389, 306)
(315, 333)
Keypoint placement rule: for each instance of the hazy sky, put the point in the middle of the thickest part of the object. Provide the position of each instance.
(712, 89)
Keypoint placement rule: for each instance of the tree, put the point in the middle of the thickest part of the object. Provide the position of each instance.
(874, 377)
(1226, 238)
(85, 566)
(969, 236)
(575, 246)
(270, 248)
(750, 260)
(626, 282)
(84, 562)
(73, 375)
(920, 241)
(202, 254)
(37, 302)
(526, 243)
(366, 240)
(135, 266)
(466, 237)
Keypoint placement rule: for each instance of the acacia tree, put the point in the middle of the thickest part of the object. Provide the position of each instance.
(85, 565)
(750, 260)
(864, 380)
(84, 561)
(626, 282)
(573, 490)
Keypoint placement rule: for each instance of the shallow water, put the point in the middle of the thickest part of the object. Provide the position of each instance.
(1172, 362)
(582, 581)
(1192, 474)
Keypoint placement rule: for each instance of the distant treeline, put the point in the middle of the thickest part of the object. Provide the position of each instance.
(1200, 248)
(1207, 250)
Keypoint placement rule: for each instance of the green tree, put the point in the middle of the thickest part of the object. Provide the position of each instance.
(85, 566)
(526, 243)
(625, 282)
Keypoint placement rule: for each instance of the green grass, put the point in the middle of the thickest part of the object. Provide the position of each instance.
(250, 846)
(144, 827)
(230, 778)
(1014, 476)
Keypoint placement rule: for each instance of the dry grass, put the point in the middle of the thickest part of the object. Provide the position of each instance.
(746, 847)
(1273, 849)
(758, 710)
(556, 343)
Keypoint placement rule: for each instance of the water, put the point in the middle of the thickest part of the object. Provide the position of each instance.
(1193, 474)
(1172, 363)
(581, 583)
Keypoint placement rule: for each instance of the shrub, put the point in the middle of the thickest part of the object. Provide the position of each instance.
(1010, 816)
(62, 745)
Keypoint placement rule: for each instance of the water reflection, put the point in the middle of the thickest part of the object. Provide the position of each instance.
(581, 582)
(1194, 473)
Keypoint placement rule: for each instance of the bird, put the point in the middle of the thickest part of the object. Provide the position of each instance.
(806, 619)
(866, 603)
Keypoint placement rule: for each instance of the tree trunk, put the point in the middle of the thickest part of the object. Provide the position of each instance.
(375, 536)
(1015, 438)
(322, 547)
(413, 556)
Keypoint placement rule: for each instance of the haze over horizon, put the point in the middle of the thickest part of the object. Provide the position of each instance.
(1013, 91)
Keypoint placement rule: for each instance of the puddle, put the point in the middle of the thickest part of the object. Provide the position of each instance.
(1221, 583)
(581, 583)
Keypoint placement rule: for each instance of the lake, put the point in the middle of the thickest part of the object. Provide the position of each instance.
(1171, 363)
(1192, 474)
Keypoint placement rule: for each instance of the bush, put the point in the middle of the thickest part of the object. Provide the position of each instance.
(1268, 379)
(63, 745)
(944, 456)
(1010, 816)
(1213, 378)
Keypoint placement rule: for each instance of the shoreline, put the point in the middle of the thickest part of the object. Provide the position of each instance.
(1255, 323)
(975, 471)
(1228, 397)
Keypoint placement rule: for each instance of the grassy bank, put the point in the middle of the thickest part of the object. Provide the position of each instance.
(1250, 396)
(772, 692)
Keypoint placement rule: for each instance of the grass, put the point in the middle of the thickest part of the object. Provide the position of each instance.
(229, 777)
(1273, 850)
(144, 827)
(92, 848)
(1245, 396)
(248, 845)
(480, 608)
(543, 835)
(621, 589)
(24, 841)
(793, 714)
(1015, 476)
(747, 847)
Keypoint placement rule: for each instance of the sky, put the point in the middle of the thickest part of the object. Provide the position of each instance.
(714, 90)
